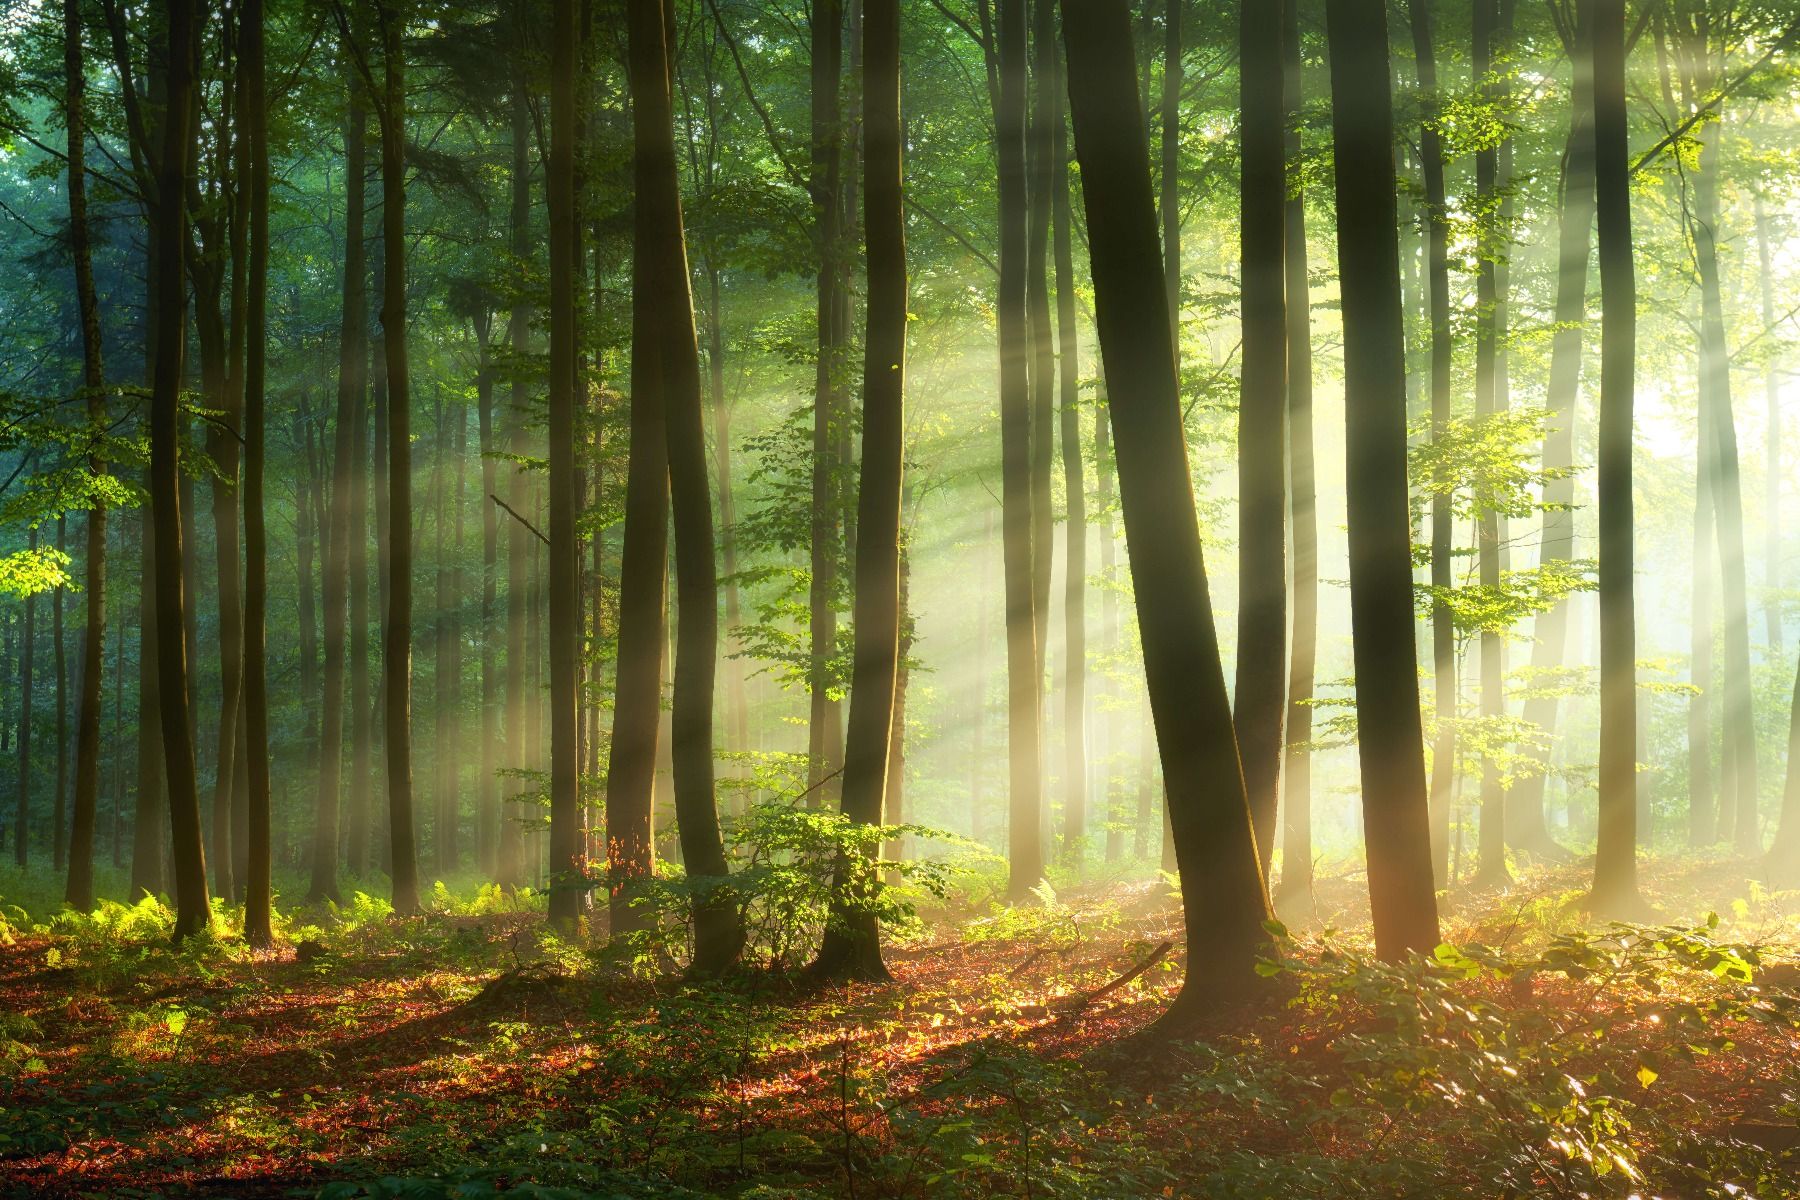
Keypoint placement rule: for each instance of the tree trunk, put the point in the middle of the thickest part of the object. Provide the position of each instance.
(824, 742)
(27, 648)
(1526, 827)
(1041, 367)
(80, 891)
(564, 601)
(852, 943)
(1170, 200)
(193, 912)
(1223, 897)
(443, 747)
(1437, 282)
(345, 470)
(487, 790)
(1109, 732)
(1771, 441)
(1075, 750)
(1783, 863)
(396, 641)
(59, 813)
(1024, 681)
(1396, 821)
(511, 853)
(257, 899)
(736, 708)
(149, 814)
(1615, 866)
(1262, 488)
(356, 534)
(1295, 893)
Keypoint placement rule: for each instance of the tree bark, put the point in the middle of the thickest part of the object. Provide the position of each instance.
(1615, 864)
(1771, 440)
(1262, 427)
(59, 812)
(1396, 820)
(852, 943)
(511, 853)
(1223, 897)
(27, 648)
(396, 641)
(1075, 700)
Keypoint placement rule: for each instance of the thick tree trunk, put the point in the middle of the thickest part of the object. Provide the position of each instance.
(1295, 892)
(1615, 865)
(852, 944)
(257, 899)
(396, 641)
(1223, 897)
(1262, 488)
(1396, 821)
(564, 602)
(1024, 682)
(193, 912)
(345, 473)
(1437, 283)
(80, 891)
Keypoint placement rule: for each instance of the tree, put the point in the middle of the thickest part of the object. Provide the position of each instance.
(1396, 822)
(396, 638)
(1262, 425)
(1223, 897)
(352, 364)
(27, 652)
(1024, 682)
(852, 944)
(80, 891)
(257, 899)
(1615, 864)
(192, 909)
(1075, 758)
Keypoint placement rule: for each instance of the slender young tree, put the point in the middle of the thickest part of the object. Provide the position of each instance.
(852, 944)
(1615, 864)
(257, 898)
(1223, 897)
(1024, 683)
(1396, 821)
(352, 364)
(1262, 490)
(80, 890)
(1075, 698)
(564, 604)
(1437, 283)
(1772, 439)
(27, 718)
(192, 908)
(1295, 891)
(1040, 367)
(511, 850)
(396, 640)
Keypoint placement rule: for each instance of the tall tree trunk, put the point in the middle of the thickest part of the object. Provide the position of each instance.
(192, 910)
(1615, 864)
(443, 749)
(1041, 367)
(718, 929)
(487, 791)
(1396, 821)
(345, 472)
(852, 943)
(1262, 487)
(1295, 893)
(27, 648)
(1437, 283)
(1170, 200)
(736, 708)
(511, 855)
(379, 853)
(1783, 863)
(1024, 682)
(257, 899)
(1112, 791)
(59, 814)
(1075, 700)
(396, 641)
(80, 891)
(1705, 820)
(1526, 827)
(356, 534)
(824, 742)
(564, 602)
(1491, 869)
(1223, 897)
(149, 814)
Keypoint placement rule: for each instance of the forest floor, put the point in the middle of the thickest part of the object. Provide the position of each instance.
(469, 1055)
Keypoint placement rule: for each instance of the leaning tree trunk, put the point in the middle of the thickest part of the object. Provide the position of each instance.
(1024, 683)
(80, 891)
(1223, 897)
(1437, 272)
(1615, 864)
(352, 359)
(852, 944)
(1295, 892)
(1262, 488)
(1396, 819)
(257, 898)
(192, 909)
(396, 641)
